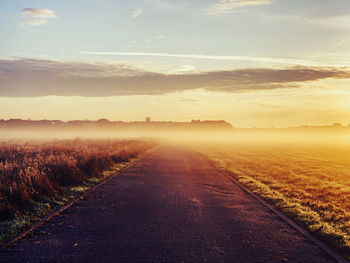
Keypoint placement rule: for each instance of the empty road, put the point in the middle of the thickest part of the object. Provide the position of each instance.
(171, 205)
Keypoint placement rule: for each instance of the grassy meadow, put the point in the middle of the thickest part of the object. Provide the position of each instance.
(38, 177)
(308, 182)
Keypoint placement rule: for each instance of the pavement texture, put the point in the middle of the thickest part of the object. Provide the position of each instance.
(170, 206)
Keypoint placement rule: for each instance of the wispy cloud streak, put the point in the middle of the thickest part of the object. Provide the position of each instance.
(209, 57)
(39, 12)
(230, 6)
(136, 13)
(338, 44)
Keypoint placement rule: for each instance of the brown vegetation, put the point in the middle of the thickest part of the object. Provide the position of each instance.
(30, 172)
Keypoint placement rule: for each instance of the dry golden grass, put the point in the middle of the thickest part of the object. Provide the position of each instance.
(310, 183)
(38, 177)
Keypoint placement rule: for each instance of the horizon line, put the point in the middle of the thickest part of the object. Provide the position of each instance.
(334, 124)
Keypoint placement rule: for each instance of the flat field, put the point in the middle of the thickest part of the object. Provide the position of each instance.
(308, 182)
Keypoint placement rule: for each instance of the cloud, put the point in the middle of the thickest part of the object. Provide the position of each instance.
(230, 6)
(35, 22)
(169, 38)
(182, 68)
(338, 44)
(335, 21)
(209, 57)
(39, 13)
(37, 16)
(163, 4)
(35, 78)
(136, 13)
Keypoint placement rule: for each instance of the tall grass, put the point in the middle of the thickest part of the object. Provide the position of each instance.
(310, 183)
(32, 171)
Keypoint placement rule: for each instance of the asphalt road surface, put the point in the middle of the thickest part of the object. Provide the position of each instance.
(170, 206)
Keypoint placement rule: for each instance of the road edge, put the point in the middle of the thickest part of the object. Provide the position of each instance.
(325, 248)
(56, 212)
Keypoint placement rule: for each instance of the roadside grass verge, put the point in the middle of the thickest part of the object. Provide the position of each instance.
(38, 178)
(310, 184)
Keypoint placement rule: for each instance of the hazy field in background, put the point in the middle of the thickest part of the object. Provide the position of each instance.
(312, 135)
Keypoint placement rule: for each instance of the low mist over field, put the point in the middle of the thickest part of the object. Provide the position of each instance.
(180, 132)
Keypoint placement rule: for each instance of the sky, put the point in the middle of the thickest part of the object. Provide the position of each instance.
(254, 63)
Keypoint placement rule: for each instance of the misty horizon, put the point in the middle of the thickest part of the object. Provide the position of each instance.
(148, 120)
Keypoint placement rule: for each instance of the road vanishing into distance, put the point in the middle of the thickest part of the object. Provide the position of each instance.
(172, 205)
